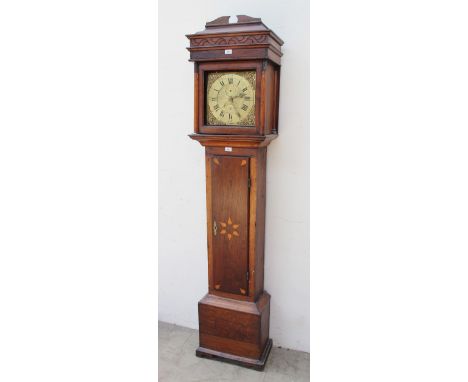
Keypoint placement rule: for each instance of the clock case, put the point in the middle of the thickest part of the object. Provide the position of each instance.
(234, 315)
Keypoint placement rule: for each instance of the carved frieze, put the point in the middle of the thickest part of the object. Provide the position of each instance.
(232, 40)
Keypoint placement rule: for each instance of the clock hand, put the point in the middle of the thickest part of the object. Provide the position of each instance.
(230, 100)
(234, 106)
(240, 95)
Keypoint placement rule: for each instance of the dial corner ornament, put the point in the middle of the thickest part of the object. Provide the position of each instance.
(230, 98)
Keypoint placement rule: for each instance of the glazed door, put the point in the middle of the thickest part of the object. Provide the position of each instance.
(230, 217)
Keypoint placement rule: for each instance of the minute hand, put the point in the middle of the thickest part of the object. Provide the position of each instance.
(234, 106)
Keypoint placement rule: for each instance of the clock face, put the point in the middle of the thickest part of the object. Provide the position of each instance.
(230, 98)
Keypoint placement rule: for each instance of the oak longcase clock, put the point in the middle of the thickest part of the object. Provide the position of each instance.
(237, 74)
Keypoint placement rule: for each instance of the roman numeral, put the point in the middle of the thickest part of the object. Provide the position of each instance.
(230, 80)
(222, 113)
(216, 107)
(244, 107)
(222, 83)
(230, 116)
(244, 90)
(213, 99)
(247, 98)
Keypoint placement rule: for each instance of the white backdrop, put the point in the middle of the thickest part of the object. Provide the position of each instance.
(182, 214)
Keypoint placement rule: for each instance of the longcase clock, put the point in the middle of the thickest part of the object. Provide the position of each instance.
(237, 75)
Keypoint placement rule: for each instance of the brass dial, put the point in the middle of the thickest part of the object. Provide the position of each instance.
(231, 98)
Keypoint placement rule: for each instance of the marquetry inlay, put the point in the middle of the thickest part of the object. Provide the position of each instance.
(229, 229)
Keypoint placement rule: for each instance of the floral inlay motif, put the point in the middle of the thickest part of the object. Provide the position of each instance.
(229, 229)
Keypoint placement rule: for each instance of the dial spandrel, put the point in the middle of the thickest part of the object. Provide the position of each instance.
(230, 98)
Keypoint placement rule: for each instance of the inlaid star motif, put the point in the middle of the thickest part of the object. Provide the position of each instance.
(229, 229)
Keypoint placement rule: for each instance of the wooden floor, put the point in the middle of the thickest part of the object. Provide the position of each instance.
(177, 362)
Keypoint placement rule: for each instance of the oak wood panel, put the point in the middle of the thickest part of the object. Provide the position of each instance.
(240, 141)
(260, 197)
(262, 104)
(231, 304)
(265, 326)
(209, 221)
(230, 211)
(223, 323)
(253, 227)
(195, 98)
(276, 97)
(252, 40)
(251, 363)
(269, 94)
(231, 346)
(237, 54)
(257, 201)
(236, 327)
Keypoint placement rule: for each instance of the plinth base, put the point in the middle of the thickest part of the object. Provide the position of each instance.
(235, 331)
(256, 364)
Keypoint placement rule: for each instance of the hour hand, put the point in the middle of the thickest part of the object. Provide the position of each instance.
(235, 109)
(230, 100)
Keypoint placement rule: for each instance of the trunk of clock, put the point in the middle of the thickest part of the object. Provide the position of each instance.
(230, 217)
(234, 315)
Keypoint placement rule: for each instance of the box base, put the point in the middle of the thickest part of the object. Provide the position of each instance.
(235, 331)
(255, 364)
